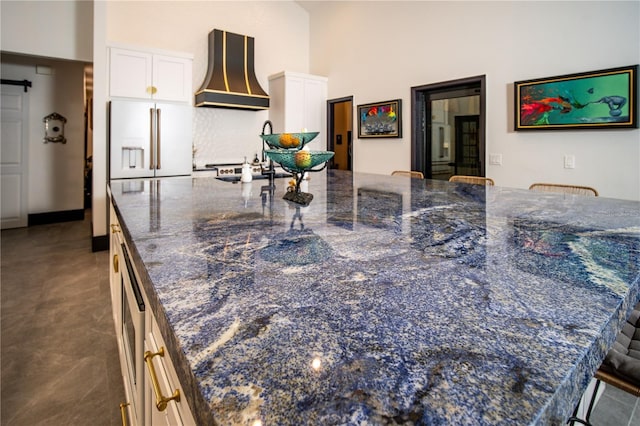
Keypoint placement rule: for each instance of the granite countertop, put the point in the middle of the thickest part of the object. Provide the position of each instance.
(386, 301)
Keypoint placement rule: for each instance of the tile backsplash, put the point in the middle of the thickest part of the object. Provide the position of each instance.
(226, 135)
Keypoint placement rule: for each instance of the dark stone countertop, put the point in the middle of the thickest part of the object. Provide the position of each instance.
(385, 301)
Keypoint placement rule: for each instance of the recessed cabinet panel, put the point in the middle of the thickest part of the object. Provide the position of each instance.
(172, 78)
(130, 74)
(177, 412)
(296, 103)
(170, 416)
(115, 265)
(315, 93)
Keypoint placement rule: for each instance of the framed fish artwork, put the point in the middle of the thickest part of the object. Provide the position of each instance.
(603, 99)
(380, 119)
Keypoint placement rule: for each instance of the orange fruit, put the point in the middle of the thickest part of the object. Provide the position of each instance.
(302, 159)
(287, 140)
(295, 142)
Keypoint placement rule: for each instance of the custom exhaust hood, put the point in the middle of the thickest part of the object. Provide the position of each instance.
(231, 81)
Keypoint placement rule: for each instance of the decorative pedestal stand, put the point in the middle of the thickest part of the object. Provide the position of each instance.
(287, 150)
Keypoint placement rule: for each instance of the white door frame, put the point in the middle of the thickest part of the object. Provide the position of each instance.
(14, 157)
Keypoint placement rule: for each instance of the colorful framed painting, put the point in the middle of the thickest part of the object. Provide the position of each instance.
(604, 99)
(380, 120)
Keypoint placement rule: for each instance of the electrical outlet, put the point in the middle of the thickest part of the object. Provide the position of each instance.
(495, 159)
(569, 161)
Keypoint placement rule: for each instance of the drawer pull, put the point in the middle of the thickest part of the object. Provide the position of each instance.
(115, 263)
(123, 413)
(114, 228)
(161, 401)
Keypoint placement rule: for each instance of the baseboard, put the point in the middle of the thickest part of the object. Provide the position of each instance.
(54, 217)
(100, 243)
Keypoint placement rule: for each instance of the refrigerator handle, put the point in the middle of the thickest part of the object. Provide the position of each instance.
(158, 142)
(151, 150)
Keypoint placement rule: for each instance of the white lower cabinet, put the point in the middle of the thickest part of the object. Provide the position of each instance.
(165, 401)
(153, 392)
(114, 267)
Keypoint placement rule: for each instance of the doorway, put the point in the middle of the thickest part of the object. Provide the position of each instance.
(340, 131)
(14, 157)
(447, 135)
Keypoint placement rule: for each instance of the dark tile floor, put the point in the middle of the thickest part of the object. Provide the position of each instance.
(616, 408)
(59, 355)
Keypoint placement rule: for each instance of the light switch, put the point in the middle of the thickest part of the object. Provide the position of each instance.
(495, 159)
(569, 161)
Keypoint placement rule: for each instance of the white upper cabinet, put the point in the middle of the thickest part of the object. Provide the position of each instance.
(172, 78)
(299, 101)
(146, 75)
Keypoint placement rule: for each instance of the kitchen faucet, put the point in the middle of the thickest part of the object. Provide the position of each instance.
(267, 190)
(270, 171)
(264, 126)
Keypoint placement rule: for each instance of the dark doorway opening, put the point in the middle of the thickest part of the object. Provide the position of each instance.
(448, 128)
(340, 130)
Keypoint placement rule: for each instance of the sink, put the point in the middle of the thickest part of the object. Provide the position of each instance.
(236, 178)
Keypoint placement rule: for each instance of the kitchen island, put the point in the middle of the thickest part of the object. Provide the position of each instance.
(387, 300)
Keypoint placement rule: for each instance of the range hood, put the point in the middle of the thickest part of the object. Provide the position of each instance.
(231, 81)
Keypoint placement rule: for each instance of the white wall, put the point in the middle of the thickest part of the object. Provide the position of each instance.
(377, 51)
(281, 33)
(57, 29)
(56, 170)
(38, 30)
(99, 206)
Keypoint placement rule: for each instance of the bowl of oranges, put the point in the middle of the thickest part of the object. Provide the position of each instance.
(289, 140)
(298, 161)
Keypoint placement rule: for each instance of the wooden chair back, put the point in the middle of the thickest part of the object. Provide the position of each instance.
(474, 180)
(567, 189)
(408, 173)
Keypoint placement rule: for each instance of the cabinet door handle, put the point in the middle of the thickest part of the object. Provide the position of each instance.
(158, 144)
(151, 152)
(123, 413)
(161, 400)
(115, 228)
(115, 263)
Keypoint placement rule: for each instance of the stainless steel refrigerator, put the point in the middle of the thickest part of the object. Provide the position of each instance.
(149, 139)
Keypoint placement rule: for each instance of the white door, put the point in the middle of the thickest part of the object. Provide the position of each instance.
(13, 157)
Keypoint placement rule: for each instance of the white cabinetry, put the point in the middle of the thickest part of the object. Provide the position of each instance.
(146, 75)
(153, 392)
(299, 101)
(114, 268)
(166, 404)
(118, 272)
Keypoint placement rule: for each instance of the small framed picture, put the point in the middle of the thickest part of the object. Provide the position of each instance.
(380, 120)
